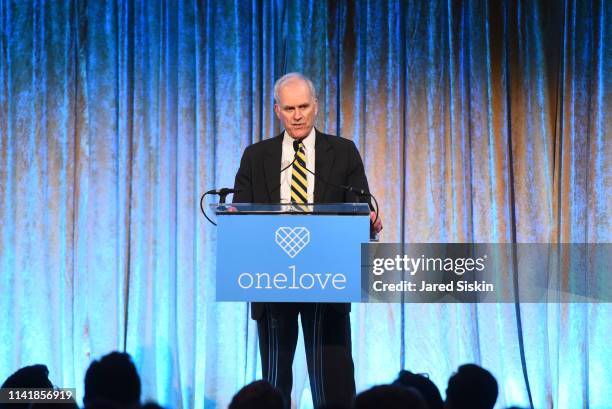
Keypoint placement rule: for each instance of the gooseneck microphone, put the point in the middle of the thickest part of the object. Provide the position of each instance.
(222, 193)
(358, 191)
(296, 146)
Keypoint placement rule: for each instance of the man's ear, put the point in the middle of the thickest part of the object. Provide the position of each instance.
(277, 111)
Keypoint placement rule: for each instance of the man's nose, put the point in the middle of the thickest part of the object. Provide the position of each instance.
(297, 114)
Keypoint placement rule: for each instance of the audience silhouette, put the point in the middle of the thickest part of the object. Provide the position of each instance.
(428, 390)
(33, 376)
(113, 383)
(471, 387)
(151, 405)
(258, 395)
(390, 397)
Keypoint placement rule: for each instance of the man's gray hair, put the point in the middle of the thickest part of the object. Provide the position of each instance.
(290, 77)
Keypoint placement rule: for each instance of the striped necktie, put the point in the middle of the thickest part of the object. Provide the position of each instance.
(299, 181)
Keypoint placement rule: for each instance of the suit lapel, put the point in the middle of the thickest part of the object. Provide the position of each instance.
(324, 161)
(272, 167)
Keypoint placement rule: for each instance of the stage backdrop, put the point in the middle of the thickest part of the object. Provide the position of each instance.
(482, 121)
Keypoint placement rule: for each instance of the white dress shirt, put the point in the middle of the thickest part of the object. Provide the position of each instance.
(287, 158)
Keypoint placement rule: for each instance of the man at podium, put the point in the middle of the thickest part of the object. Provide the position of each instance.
(303, 165)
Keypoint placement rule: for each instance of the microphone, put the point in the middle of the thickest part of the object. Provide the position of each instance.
(222, 193)
(296, 147)
(360, 192)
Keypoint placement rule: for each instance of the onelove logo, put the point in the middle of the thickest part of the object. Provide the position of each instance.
(292, 240)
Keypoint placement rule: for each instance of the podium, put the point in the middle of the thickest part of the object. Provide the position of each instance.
(289, 252)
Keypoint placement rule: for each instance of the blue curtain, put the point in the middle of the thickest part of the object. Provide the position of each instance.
(477, 121)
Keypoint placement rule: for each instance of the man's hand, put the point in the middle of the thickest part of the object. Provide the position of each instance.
(375, 227)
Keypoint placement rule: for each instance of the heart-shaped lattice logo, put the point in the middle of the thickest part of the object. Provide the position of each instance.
(292, 240)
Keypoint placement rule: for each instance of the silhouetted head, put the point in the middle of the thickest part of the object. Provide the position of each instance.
(257, 395)
(471, 387)
(33, 376)
(68, 404)
(428, 390)
(151, 405)
(112, 381)
(389, 397)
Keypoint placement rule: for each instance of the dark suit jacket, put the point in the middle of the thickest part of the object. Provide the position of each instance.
(337, 161)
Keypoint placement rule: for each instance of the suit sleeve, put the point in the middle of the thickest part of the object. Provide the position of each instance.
(244, 180)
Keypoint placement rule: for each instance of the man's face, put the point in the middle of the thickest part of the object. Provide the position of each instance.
(296, 108)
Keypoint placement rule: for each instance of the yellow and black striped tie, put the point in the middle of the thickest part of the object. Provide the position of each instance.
(299, 181)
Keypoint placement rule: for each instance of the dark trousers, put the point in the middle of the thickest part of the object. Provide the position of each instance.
(327, 339)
